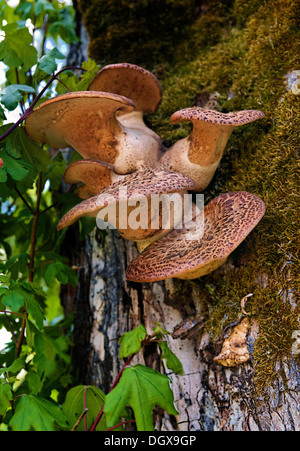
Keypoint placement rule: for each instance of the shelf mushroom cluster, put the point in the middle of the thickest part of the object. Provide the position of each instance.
(106, 126)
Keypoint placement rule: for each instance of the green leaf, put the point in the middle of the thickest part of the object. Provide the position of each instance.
(172, 362)
(15, 167)
(12, 95)
(5, 398)
(141, 388)
(37, 414)
(47, 63)
(28, 149)
(131, 342)
(73, 406)
(16, 49)
(13, 299)
(61, 272)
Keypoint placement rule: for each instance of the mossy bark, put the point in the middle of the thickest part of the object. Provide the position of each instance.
(227, 55)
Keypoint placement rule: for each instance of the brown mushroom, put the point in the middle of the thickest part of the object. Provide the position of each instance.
(228, 219)
(121, 198)
(135, 83)
(199, 154)
(93, 174)
(87, 122)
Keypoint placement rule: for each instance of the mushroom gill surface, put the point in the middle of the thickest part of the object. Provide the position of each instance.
(87, 122)
(198, 155)
(189, 254)
(93, 174)
(135, 83)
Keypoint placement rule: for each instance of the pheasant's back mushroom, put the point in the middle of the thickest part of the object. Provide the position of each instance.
(131, 81)
(135, 83)
(199, 154)
(228, 219)
(93, 174)
(87, 122)
(121, 199)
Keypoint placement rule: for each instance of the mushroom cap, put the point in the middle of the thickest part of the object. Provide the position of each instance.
(71, 119)
(94, 174)
(130, 81)
(139, 184)
(228, 219)
(195, 114)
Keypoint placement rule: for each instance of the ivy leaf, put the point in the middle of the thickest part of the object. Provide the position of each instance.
(5, 398)
(12, 95)
(131, 342)
(16, 49)
(37, 414)
(172, 362)
(73, 406)
(47, 63)
(142, 388)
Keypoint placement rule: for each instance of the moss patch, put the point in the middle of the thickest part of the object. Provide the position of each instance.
(239, 53)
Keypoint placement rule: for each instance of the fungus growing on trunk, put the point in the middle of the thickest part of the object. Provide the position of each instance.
(93, 174)
(87, 122)
(228, 219)
(144, 223)
(135, 83)
(199, 154)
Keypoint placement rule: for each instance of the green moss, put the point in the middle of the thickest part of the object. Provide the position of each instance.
(241, 52)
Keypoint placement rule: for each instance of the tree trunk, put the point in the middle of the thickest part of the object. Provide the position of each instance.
(220, 386)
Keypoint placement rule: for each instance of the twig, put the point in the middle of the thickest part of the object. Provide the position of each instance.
(79, 420)
(23, 199)
(120, 424)
(30, 109)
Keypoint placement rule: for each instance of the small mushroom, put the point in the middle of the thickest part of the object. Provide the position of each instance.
(95, 176)
(199, 154)
(87, 122)
(135, 83)
(125, 194)
(235, 350)
(228, 219)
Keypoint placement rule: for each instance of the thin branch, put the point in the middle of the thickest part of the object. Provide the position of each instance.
(23, 199)
(30, 109)
(120, 424)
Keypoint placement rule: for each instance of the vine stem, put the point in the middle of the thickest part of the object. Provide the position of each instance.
(36, 214)
(30, 109)
(144, 342)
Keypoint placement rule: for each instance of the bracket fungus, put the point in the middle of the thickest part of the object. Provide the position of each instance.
(228, 219)
(125, 164)
(93, 174)
(199, 154)
(135, 83)
(119, 202)
(87, 122)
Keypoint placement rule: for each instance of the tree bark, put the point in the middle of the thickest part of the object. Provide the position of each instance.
(209, 396)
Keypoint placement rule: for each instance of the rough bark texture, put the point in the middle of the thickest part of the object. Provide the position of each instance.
(263, 393)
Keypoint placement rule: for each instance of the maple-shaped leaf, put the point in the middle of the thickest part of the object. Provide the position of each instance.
(131, 342)
(141, 388)
(77, 398)
(37, 414)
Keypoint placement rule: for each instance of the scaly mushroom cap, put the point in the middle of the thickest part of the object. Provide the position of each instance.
(139, 185)
(95, 176)
(82, 120)
(199, 154)
(130, 81)
(228, 219)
